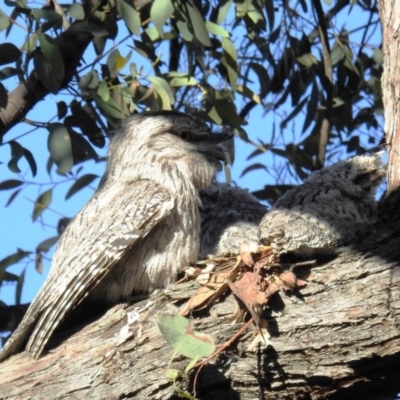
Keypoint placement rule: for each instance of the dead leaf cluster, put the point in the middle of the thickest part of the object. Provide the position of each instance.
(252, 278)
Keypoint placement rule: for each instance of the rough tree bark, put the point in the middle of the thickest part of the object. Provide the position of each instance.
(338, 337)
(390, 18)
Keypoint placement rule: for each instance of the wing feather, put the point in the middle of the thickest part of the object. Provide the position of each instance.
(100, 234)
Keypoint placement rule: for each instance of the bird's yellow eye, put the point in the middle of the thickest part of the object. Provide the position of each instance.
(185, 135)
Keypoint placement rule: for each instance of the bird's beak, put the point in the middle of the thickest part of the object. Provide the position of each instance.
(226, 148)
(218, 146)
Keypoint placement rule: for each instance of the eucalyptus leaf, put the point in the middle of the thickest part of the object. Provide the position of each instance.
(129, 15)
(160, 11)
(183, 338)
(42, 202)
(9, 53)
(80, 183)
(60, 148)
(198, 25)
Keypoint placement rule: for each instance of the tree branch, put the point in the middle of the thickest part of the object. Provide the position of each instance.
(338, 335)
(29, 92)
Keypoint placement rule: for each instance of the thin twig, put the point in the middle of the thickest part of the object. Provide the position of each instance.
(225, 345)
(327, 82)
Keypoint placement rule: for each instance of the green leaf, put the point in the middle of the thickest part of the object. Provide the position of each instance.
(184, 30)
(308, 60)
(80, 183)
(12, 197)
(48, 15)
(144, 50)
(198, 25)
(216, 29)
(263, 78)
(8, 277)
(116, 62)
(48, 64)
(17, 152)
(311, 107)
(87, 27)
(337, 54)
(31, 161)
(160, 11)
(62, 109)
(294, 112)
(177, 79)
(226, 109)
(173, 374)
(183, 394)
(10, 184)
(245, 91)
(9, 53)
(337, 102)
(122, 61)
(89, 80)
(377, 56)
(112, 62)
(8, 72)
(41, 204)
(76, 11)
(4, 22)
(257, 18)
(110, 107)
(129, 15)
(13, 259)
(60, 148)
(53, 55)
(152, 33)
(30, 44)
(43, 70)
(45, 246)
(18, 289)
(181, 336)
(231, 61)
(103, 91)
(223, 11)
(164, 92)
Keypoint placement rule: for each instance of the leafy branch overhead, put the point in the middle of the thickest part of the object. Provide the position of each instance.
(308, 76)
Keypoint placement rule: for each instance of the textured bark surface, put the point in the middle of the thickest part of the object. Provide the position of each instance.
(390, 18)
(339, 338)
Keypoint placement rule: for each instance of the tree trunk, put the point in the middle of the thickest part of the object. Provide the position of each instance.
(336, 337)
(390, 18)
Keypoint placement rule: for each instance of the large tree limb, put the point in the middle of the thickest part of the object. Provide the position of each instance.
(340, 334)
(390, 17)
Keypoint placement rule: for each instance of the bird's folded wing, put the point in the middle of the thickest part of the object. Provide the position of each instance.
(111, 222)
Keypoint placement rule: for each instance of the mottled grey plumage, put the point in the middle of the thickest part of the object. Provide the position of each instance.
(229, 216)
(138, 229)
(334, 206)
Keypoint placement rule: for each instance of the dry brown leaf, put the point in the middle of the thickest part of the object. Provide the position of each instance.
(211, 290)
(247, 290)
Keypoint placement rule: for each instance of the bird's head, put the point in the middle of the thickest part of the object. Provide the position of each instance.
(365, 172)
(161, 142)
